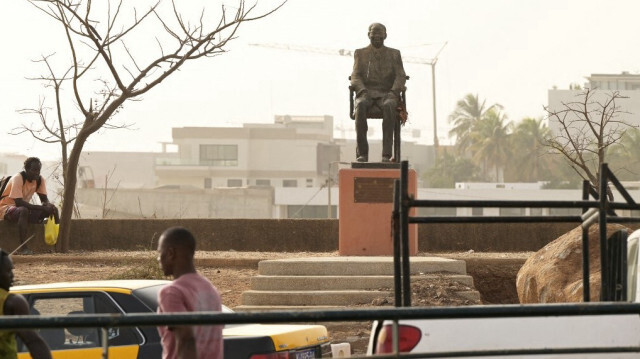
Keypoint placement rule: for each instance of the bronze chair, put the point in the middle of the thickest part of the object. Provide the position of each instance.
(376, 112)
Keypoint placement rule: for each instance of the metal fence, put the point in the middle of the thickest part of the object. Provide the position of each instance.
(395, 314)
(600, 210)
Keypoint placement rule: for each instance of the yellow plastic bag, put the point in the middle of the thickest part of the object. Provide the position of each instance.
(51, 231)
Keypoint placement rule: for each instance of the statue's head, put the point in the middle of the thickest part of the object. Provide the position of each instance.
(377, 34)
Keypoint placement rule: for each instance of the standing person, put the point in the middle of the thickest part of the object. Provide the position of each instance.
(378, 78)
(15, 200)
(15, 304)
(189, 292)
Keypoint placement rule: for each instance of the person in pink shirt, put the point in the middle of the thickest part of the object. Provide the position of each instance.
(189, 292)
(15, 201)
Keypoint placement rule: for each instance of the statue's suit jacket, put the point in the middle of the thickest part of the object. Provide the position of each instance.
(378, 70)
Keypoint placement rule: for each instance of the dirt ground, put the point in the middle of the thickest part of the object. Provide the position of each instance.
(493, 274)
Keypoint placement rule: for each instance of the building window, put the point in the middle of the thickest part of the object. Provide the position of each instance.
(234, 182)
(477, 211)
(263, 182)
(289, 183)
(437, 211)
(309, 182)
(506, 211)
(535, 211)
(565, 211)
(207, 183)
(219, 155)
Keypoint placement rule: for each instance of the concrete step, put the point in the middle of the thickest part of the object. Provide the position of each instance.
(253, 308)
(337, 282)
(321, 300)
(304, 298)
(358, 266)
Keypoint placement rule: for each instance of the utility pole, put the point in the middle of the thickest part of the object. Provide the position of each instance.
(436, 142)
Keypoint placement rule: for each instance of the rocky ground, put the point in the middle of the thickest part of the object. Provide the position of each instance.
(493, 274)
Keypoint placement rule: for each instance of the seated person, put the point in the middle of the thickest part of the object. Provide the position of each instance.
(15, 200)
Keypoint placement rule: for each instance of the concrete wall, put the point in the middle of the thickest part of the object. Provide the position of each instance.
(285, 235)
(489, 237)
(196, 203)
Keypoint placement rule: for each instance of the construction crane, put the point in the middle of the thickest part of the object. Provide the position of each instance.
(342, 52)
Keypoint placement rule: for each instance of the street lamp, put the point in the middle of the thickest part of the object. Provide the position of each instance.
(329, 184)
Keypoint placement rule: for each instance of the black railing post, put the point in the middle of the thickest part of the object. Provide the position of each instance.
(604, 263)
(623, 271)
(395, 227)
(404, 233)
(585, 247)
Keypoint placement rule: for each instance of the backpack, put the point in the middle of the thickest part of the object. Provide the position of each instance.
(5, 180)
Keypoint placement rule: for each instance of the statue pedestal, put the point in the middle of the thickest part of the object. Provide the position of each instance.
(366, 206)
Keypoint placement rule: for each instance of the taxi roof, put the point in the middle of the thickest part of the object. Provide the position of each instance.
(129, 285)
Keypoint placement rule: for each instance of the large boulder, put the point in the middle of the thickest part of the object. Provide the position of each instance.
(554, 273)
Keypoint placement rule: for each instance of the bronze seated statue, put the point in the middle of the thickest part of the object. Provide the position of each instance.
(375, 111)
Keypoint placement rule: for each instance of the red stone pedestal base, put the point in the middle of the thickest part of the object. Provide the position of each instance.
(366, 205)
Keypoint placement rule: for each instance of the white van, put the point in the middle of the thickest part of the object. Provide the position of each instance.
(594, 336)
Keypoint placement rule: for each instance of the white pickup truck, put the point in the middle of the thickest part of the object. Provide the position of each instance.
(552, 336)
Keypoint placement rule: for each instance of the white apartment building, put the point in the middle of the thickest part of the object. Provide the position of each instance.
(295, 151)
(628, 85)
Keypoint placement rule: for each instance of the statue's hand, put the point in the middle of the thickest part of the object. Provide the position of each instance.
(392, 95)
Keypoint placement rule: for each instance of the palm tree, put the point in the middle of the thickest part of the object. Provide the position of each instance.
(468, 112)
(450, 169)
(489, 142)
(528, 143)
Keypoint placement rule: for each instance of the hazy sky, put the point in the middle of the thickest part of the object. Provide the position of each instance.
(507, 51)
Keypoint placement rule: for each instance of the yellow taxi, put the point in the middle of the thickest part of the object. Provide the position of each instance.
(250, 341)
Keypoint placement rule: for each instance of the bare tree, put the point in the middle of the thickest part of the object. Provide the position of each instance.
(108, 66)
(106, 197)
(585, 129)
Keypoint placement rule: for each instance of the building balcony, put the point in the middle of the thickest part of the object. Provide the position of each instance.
(195, 162)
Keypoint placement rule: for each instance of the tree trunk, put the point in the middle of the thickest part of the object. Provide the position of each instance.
(70, 182)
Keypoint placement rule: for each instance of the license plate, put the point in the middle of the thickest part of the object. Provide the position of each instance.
(306, 354)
